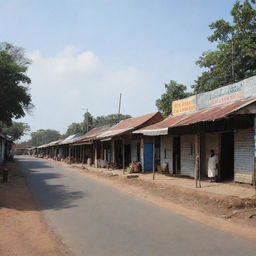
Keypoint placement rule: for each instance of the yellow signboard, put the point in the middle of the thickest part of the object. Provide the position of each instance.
(184, 105)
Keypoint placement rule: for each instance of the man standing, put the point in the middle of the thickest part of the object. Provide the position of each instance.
(212, 166)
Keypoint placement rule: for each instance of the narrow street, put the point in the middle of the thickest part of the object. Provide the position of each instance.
(93, 219)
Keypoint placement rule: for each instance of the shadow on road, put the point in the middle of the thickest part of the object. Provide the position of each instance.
(48, 186)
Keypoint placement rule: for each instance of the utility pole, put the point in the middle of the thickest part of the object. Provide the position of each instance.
(87, 121)
(232, 60)
(119, 107)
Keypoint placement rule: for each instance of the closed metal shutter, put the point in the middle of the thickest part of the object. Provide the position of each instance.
(188, 155)
(166, 151)
(244, 155)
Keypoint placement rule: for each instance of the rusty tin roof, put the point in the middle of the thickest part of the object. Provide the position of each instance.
(131, 124)
(209, 114)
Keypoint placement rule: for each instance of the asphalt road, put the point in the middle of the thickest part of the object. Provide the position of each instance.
(94, 219)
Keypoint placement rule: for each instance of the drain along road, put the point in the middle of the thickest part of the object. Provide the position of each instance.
(94, 219)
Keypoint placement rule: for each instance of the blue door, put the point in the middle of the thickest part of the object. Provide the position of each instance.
(148, 157)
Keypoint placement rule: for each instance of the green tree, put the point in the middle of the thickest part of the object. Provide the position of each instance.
(87, 123)
(174, 91)
(16, 130)
(109, 119)
(81, 128)
(41, 137)
(14, 91)
(235, 56)
(74, 128)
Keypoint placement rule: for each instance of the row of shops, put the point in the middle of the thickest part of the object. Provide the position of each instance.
(222, 120)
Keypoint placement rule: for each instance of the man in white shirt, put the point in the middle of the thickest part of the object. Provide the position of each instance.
(212, 166)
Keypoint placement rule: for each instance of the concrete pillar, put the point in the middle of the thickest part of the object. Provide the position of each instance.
(101, 151)
(123, 153)
(113, 151)
(95, 155)
(142, 154)
(153, 156)
(197, 162)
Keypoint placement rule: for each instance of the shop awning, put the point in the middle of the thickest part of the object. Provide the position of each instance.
(153, 132)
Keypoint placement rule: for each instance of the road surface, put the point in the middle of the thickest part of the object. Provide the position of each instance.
(94, 219)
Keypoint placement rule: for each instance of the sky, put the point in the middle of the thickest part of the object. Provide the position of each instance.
(85, 53)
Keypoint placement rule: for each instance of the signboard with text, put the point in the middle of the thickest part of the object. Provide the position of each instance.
(229, 93)
(184, 105)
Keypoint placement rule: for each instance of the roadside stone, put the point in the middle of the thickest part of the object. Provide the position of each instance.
(132, 176)
(111, 174)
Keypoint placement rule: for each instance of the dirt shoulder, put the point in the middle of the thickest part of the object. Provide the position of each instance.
(229, 213)
(22, 227)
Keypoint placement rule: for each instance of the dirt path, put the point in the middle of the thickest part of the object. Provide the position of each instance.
(23, 229)
(227, 213)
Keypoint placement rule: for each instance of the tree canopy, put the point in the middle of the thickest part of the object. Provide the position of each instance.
(235, 56)
(87, 123)
(90, 122)
(14, 91)
(233, 59)
(109, 119)
(42, 136)
(74, 128)
(174, 91)
(16, 130)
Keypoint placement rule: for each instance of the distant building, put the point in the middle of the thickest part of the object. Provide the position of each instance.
(18, 149)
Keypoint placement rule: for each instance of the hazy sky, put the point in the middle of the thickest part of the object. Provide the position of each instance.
(87, 52)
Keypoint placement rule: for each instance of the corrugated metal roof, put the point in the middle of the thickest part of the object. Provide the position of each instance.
(131, 124)
(93, 133)
(209, 114)
(111, 133)
(43, 146)
(134, 122)
(54, 143)
(69, 139)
